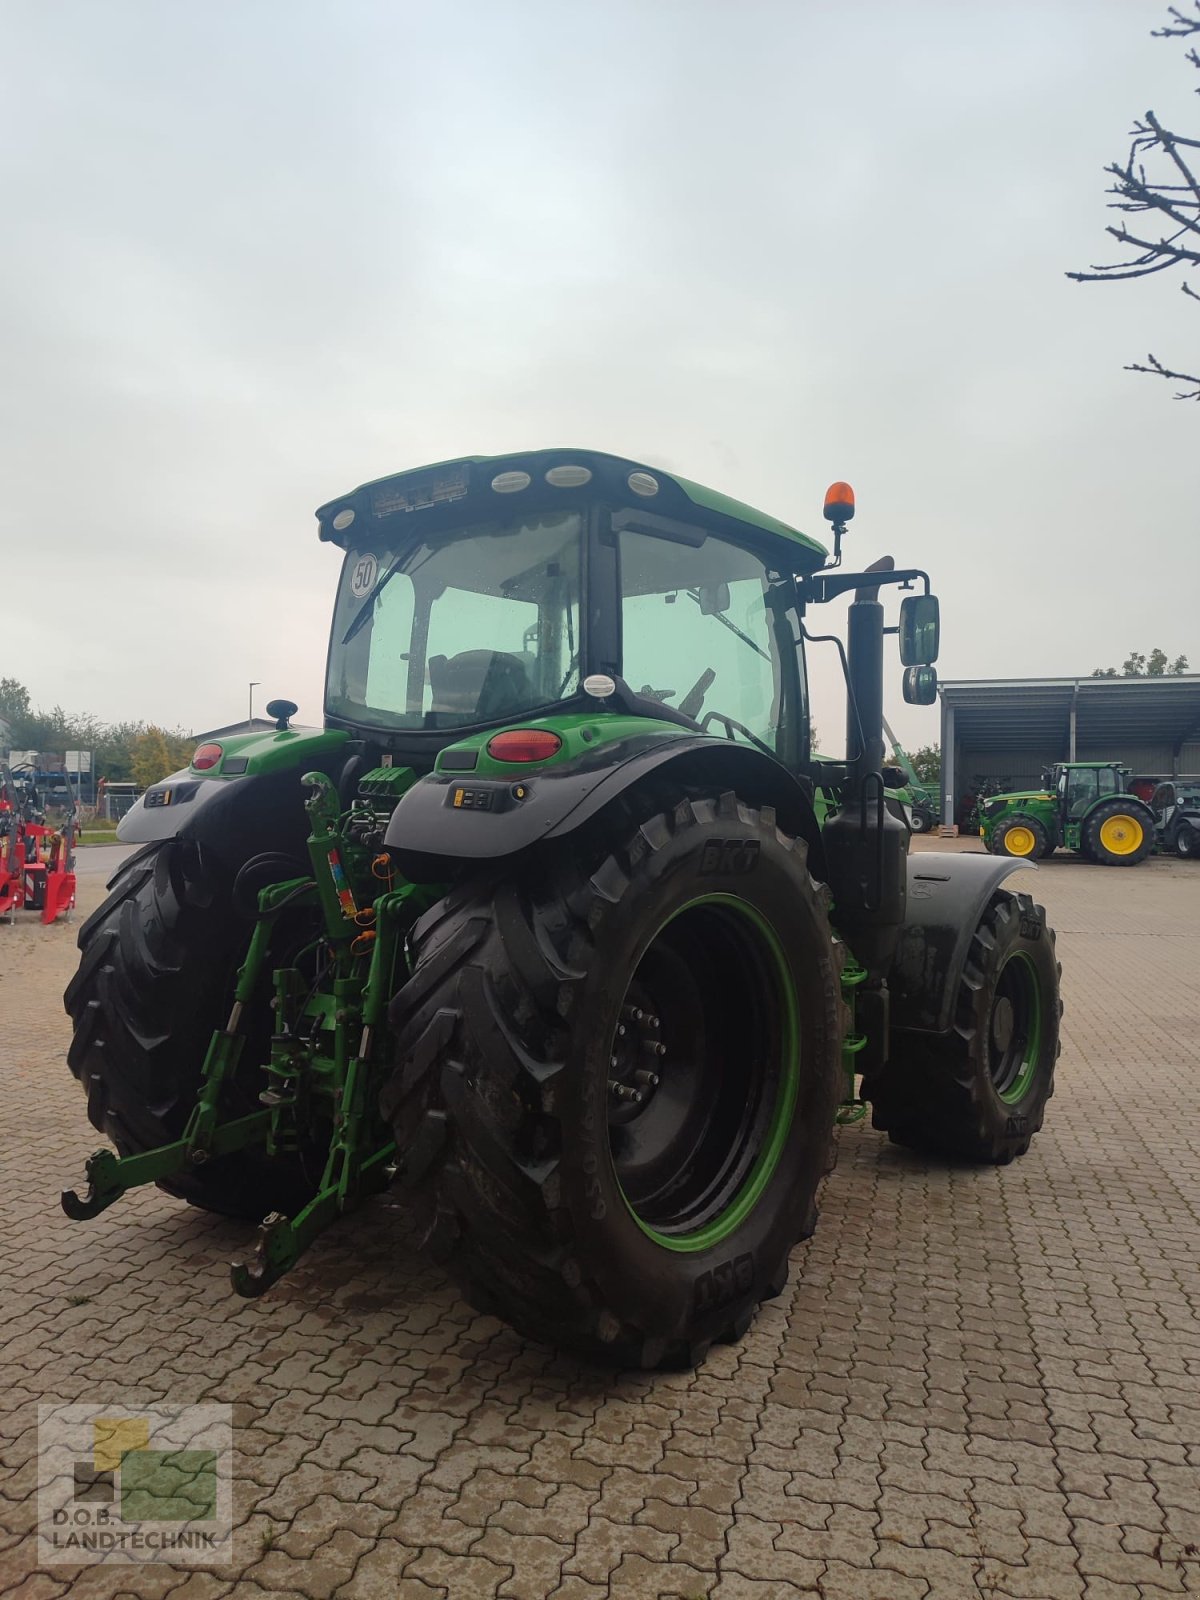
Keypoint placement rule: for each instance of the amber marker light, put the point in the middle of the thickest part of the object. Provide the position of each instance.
(839, 502)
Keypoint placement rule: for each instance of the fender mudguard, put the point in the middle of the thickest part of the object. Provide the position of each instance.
(231, 819)
(253, 803)
(448, 818)
(946, 898)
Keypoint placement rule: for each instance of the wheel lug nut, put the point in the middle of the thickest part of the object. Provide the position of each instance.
(612, 1061)
(622, 1091)
(632, 1013)
(659, 1049)
(648, 1080)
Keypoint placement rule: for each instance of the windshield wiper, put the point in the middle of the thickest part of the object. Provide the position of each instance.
(694, 594)
(359, 619)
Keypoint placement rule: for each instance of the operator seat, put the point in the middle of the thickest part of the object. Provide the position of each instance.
(479, 685)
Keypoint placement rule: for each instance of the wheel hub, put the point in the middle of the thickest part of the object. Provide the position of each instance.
(1002, 1023)
(1120, 834)
(636, 1062)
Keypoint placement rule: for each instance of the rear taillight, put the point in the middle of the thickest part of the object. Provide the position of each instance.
(524, 744)
(207, 755)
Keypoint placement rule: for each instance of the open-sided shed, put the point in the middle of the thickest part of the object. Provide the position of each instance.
(1008, 729)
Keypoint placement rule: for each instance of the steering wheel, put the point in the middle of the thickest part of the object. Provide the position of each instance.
(694, 698)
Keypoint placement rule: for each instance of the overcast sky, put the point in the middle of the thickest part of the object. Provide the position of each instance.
(256, 253)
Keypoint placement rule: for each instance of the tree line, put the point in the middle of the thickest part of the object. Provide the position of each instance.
(1137, 665)
(138, 752)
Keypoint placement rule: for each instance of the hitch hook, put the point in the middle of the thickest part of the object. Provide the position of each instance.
(277, 1249)
(103, 1187)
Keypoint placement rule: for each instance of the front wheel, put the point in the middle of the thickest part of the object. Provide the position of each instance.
(616, 1080)
(1187, 841)
(979, 1092)
(1118, 833)
(1020, 836)
(922, 820)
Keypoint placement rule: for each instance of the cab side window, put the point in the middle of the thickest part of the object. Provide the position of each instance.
(1162, 797)
(1081, 791)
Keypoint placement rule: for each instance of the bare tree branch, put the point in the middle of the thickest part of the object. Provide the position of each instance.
(1157, 370)
(1184, 28)
(1135, 189)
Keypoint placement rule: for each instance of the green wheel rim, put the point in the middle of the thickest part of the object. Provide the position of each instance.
(1014, 1055)
(781, 1039)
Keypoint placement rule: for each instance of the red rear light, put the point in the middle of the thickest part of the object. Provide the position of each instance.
(207, 755)
(524, 744)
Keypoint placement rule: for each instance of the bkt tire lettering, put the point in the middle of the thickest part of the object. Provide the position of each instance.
(724, 1283)
(729, 858)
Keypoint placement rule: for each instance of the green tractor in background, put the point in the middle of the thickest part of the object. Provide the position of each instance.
(1086, 807)
(923, 799)
(557, 925)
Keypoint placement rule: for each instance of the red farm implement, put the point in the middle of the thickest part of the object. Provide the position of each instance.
(37, 862)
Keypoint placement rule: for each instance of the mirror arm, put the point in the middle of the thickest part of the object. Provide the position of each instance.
(822, 586)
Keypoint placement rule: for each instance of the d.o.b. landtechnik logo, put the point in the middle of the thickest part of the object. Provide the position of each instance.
(118, 1483)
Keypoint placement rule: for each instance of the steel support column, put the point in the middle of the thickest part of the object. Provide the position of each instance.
(1074, 707)
(949, 784)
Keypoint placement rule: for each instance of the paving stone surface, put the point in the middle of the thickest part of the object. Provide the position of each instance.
(978, 1382)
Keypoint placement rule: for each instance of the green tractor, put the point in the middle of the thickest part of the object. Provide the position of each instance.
(556, 925)
(1085, 806)
(923, 800)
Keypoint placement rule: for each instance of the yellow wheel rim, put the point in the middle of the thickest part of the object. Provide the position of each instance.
(1121, 835)
(1020, 841)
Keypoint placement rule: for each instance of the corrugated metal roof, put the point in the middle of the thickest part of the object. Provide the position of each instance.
(1015, 713)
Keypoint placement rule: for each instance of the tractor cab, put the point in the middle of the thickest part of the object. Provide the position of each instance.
(1079, 785)
(491, 591)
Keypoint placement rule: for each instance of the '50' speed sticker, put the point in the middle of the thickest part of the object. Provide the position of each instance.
(363, 575)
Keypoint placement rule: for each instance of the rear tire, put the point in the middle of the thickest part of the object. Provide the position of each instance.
(979, 1092)
(1119, 833)
(1020, 836)
(633, 1235)
(158, 961)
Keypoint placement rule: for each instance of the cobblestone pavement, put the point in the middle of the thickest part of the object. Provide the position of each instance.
(977, 1382)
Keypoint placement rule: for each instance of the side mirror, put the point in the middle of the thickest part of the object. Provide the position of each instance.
(920, 630)
(281, 710)
(920, 685)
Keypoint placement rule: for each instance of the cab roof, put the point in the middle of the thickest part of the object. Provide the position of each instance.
(473, 478)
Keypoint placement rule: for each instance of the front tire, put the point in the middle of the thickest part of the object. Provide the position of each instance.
(1187, 841)
(155, 978)
(1118, 833)
(979, 1092)
(922, 820)
(632, 1233)
(1020, 836)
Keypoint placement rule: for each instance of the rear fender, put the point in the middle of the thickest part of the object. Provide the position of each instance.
(432, 832)
(257, 807)
(947, 895)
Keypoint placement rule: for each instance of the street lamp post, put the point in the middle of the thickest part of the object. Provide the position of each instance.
(253, 686)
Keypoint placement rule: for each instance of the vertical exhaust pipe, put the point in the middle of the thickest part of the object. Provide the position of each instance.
(864, 707)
